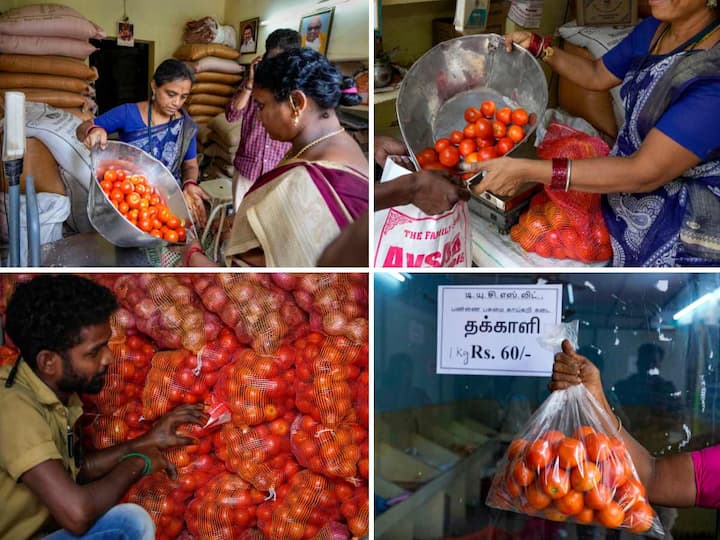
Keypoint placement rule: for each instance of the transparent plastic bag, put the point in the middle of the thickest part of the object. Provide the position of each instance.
(568, 464)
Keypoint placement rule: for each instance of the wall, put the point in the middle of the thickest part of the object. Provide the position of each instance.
(161, 21)
(349, 32)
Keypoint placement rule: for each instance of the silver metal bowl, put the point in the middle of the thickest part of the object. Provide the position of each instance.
(107, 220)
(464, 72)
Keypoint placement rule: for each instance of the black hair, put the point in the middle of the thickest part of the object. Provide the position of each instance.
(49, 312)
(283, 38)
(309, 71)
(646, 356)
(172, 70)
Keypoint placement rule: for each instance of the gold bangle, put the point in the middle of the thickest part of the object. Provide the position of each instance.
(619, 428)
(548, 53)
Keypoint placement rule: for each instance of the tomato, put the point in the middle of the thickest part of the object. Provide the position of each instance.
(472, 114)
(164, 213)
(516, 133)
(582, 432)
(110, 175)
(126, 187)
(106, 186)
(117, 196)
(484, 128)
(612, 516)
(557, 217)
(554, 482)
(570, 452)
(504, 145)
(629, 493)
(173, 222)
(442, 144)
(467, 147)
(585, 476)
(569, 239)
(543, 248)
(519, 117)
(570, 504)
(554, 514)
(604, 253)
(539, 454)
(536, 497)
(499, 129)
(522, 474)
(639, 518)
(485, 154)
(512, 487)
(585, 516)
(133, 200)
(456, 137)
(614, 472)
(553, 436)
(425, 156)
(182, 235)
(504, 115)
(171, 236)
(471, 158)
(487, 108)
(470, 131)
(598, 497)
(596, 444)
(586, 250)
(450, 156)
(517, 448)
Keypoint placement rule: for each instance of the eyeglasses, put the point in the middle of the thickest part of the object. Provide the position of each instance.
(318, 27)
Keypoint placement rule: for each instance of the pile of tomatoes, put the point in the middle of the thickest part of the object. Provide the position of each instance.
(164, 501)
(550, 230)
(124, 424)
(489, 133)
(140, 203)
(587, 477)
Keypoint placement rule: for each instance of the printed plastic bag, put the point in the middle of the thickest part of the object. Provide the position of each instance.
(569, 465)
(407, 237)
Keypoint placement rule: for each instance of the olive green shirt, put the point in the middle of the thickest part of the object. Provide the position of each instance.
(33, 429)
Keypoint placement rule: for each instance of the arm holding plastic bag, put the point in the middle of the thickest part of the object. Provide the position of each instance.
(687, 479)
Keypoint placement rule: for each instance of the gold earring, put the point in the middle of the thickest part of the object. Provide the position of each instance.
(296, 119)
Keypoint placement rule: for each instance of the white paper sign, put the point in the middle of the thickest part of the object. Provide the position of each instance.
(496, 329)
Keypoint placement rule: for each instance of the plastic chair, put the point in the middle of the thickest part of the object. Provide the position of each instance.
(220, 192)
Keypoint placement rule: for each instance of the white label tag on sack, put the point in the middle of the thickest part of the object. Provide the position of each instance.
(495, 329)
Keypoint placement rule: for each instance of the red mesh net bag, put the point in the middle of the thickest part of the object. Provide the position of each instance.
(8, 355)
(259, 313)
(333, 452)
(164, 501)
(566, 225)
(337, 304)
(106, 430)
(361, 396)
(126, 375)
(252, 534)
(182, 376)
(222, 509)
(257, 388)
(327, 371)
(355, 510)
(303, 507)
(260, 455)
(166, 309)
(7, 287)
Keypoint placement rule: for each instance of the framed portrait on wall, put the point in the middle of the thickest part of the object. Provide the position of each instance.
(315, 30)
(126, 34)
(248, 35)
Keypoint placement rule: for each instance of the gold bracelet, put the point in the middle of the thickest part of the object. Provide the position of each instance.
(619, 428)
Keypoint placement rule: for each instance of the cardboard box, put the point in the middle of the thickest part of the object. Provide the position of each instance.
(443, 29)
(603, 13)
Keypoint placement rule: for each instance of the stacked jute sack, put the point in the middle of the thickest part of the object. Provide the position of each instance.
(217, 75)
(44, 55)
(220, 140)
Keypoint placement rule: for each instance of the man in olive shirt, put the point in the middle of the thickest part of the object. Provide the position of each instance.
(61, 326)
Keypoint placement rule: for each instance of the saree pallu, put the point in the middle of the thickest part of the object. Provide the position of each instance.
(677, 224)
(168, 143)
(293, 212)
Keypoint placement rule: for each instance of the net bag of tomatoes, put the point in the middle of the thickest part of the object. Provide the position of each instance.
(569, 465)
(224, 507)
(164, 501)
(107, 430)
(303, 506)
(183, 376)
(260, 455)
(257, 388)
(566, 224)
(332, 531)
(259, 313)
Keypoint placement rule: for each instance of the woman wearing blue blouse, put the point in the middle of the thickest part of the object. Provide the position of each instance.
(160, 127)
(661, 184)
